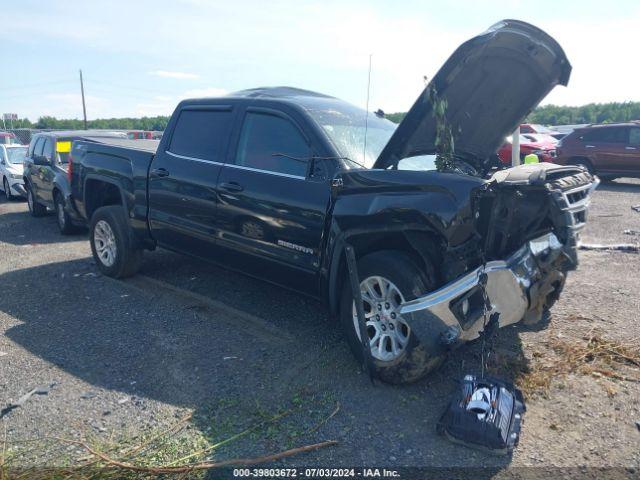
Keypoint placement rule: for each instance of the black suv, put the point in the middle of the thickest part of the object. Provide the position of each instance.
(46, 173)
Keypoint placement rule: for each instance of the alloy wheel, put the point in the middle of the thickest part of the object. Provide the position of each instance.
(388, 332)
(105, 243)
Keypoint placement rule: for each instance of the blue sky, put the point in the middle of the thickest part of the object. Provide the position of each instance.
(142, 57)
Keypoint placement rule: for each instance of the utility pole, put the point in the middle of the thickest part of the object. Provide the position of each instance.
(515, 148)
(84, 107)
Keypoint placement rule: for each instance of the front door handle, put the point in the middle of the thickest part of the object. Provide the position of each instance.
(232, 186)
(160, 172)
(590, 146)
(629, 148)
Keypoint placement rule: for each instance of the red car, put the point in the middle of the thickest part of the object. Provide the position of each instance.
(139, 135)
(7, 138)
(535, 128)
(544, 148)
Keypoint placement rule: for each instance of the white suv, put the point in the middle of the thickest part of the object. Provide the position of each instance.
(11, 158)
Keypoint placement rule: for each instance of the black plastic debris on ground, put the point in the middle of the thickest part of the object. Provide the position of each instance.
(620, 247)
(485, 414)
(23, 399)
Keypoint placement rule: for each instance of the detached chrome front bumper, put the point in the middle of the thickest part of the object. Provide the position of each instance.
(455, 312)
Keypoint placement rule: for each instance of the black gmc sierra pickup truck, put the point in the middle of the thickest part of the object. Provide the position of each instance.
(277, 182)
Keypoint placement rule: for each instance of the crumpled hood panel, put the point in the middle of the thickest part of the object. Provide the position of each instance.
(490, 83)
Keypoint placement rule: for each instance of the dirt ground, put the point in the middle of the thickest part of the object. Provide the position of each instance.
(237, 367)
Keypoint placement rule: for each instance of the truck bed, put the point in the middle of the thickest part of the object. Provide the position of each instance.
(145, 145)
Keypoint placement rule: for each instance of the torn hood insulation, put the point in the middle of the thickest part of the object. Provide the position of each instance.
(490, 83)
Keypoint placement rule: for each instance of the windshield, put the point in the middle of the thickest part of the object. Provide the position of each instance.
(419, 162)
(16, 155)
(541, 129)
(522, 138)
(345, 125)
(541, 138)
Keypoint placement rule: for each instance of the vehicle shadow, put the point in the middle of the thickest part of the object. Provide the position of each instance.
(622, 185)
(126, 340)
(17, 228)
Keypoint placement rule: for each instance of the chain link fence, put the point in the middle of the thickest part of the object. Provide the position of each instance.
(24, 135)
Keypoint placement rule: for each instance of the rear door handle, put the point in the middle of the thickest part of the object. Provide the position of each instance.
(232, 186)
(160, 172)
(590, 146)
(629, 148)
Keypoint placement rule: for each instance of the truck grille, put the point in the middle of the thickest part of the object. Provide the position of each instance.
(576, 202)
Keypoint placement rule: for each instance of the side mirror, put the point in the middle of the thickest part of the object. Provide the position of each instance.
(41, 160)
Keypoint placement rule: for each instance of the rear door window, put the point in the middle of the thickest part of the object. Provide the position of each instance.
(63, 147)
(606, 135)
(47, 150)
(202, 134)
(274, 144)
(634, 136)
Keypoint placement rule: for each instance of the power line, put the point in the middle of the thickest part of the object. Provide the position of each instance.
(36, 85)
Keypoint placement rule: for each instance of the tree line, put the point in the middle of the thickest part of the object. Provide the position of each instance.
(561, 115)
(545, 115)
(52, 123)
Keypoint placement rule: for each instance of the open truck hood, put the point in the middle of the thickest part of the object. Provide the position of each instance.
(490, 83)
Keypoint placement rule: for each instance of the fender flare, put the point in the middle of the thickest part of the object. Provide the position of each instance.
(332, 281)
(104, 179)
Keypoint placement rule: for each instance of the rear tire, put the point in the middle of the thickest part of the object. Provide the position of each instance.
(35, 208)
(112, 243)
(7, 190)
(413, 361)
(64, 220)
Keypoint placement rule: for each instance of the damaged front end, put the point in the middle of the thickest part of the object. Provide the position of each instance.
(528, 218)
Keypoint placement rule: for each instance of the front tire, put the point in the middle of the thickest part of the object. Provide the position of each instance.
(112, 243)
(7, 190)
(388, 279)
(35, 208)
(64, 220)
(586, 164)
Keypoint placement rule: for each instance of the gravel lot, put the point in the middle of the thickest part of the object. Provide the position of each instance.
(127, 359)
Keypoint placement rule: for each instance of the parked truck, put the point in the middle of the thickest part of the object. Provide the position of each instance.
(277, 182)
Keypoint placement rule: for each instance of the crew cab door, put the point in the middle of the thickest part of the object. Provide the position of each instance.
(47, 173)
(605, 146)
(271, 205)
(39, 169)
(183, 178)
(631, 161)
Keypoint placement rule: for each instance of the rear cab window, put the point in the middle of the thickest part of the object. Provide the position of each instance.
(202, 133)
(272, 143)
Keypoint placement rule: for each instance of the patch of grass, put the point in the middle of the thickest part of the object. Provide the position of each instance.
(227, 427)
(592, 355)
